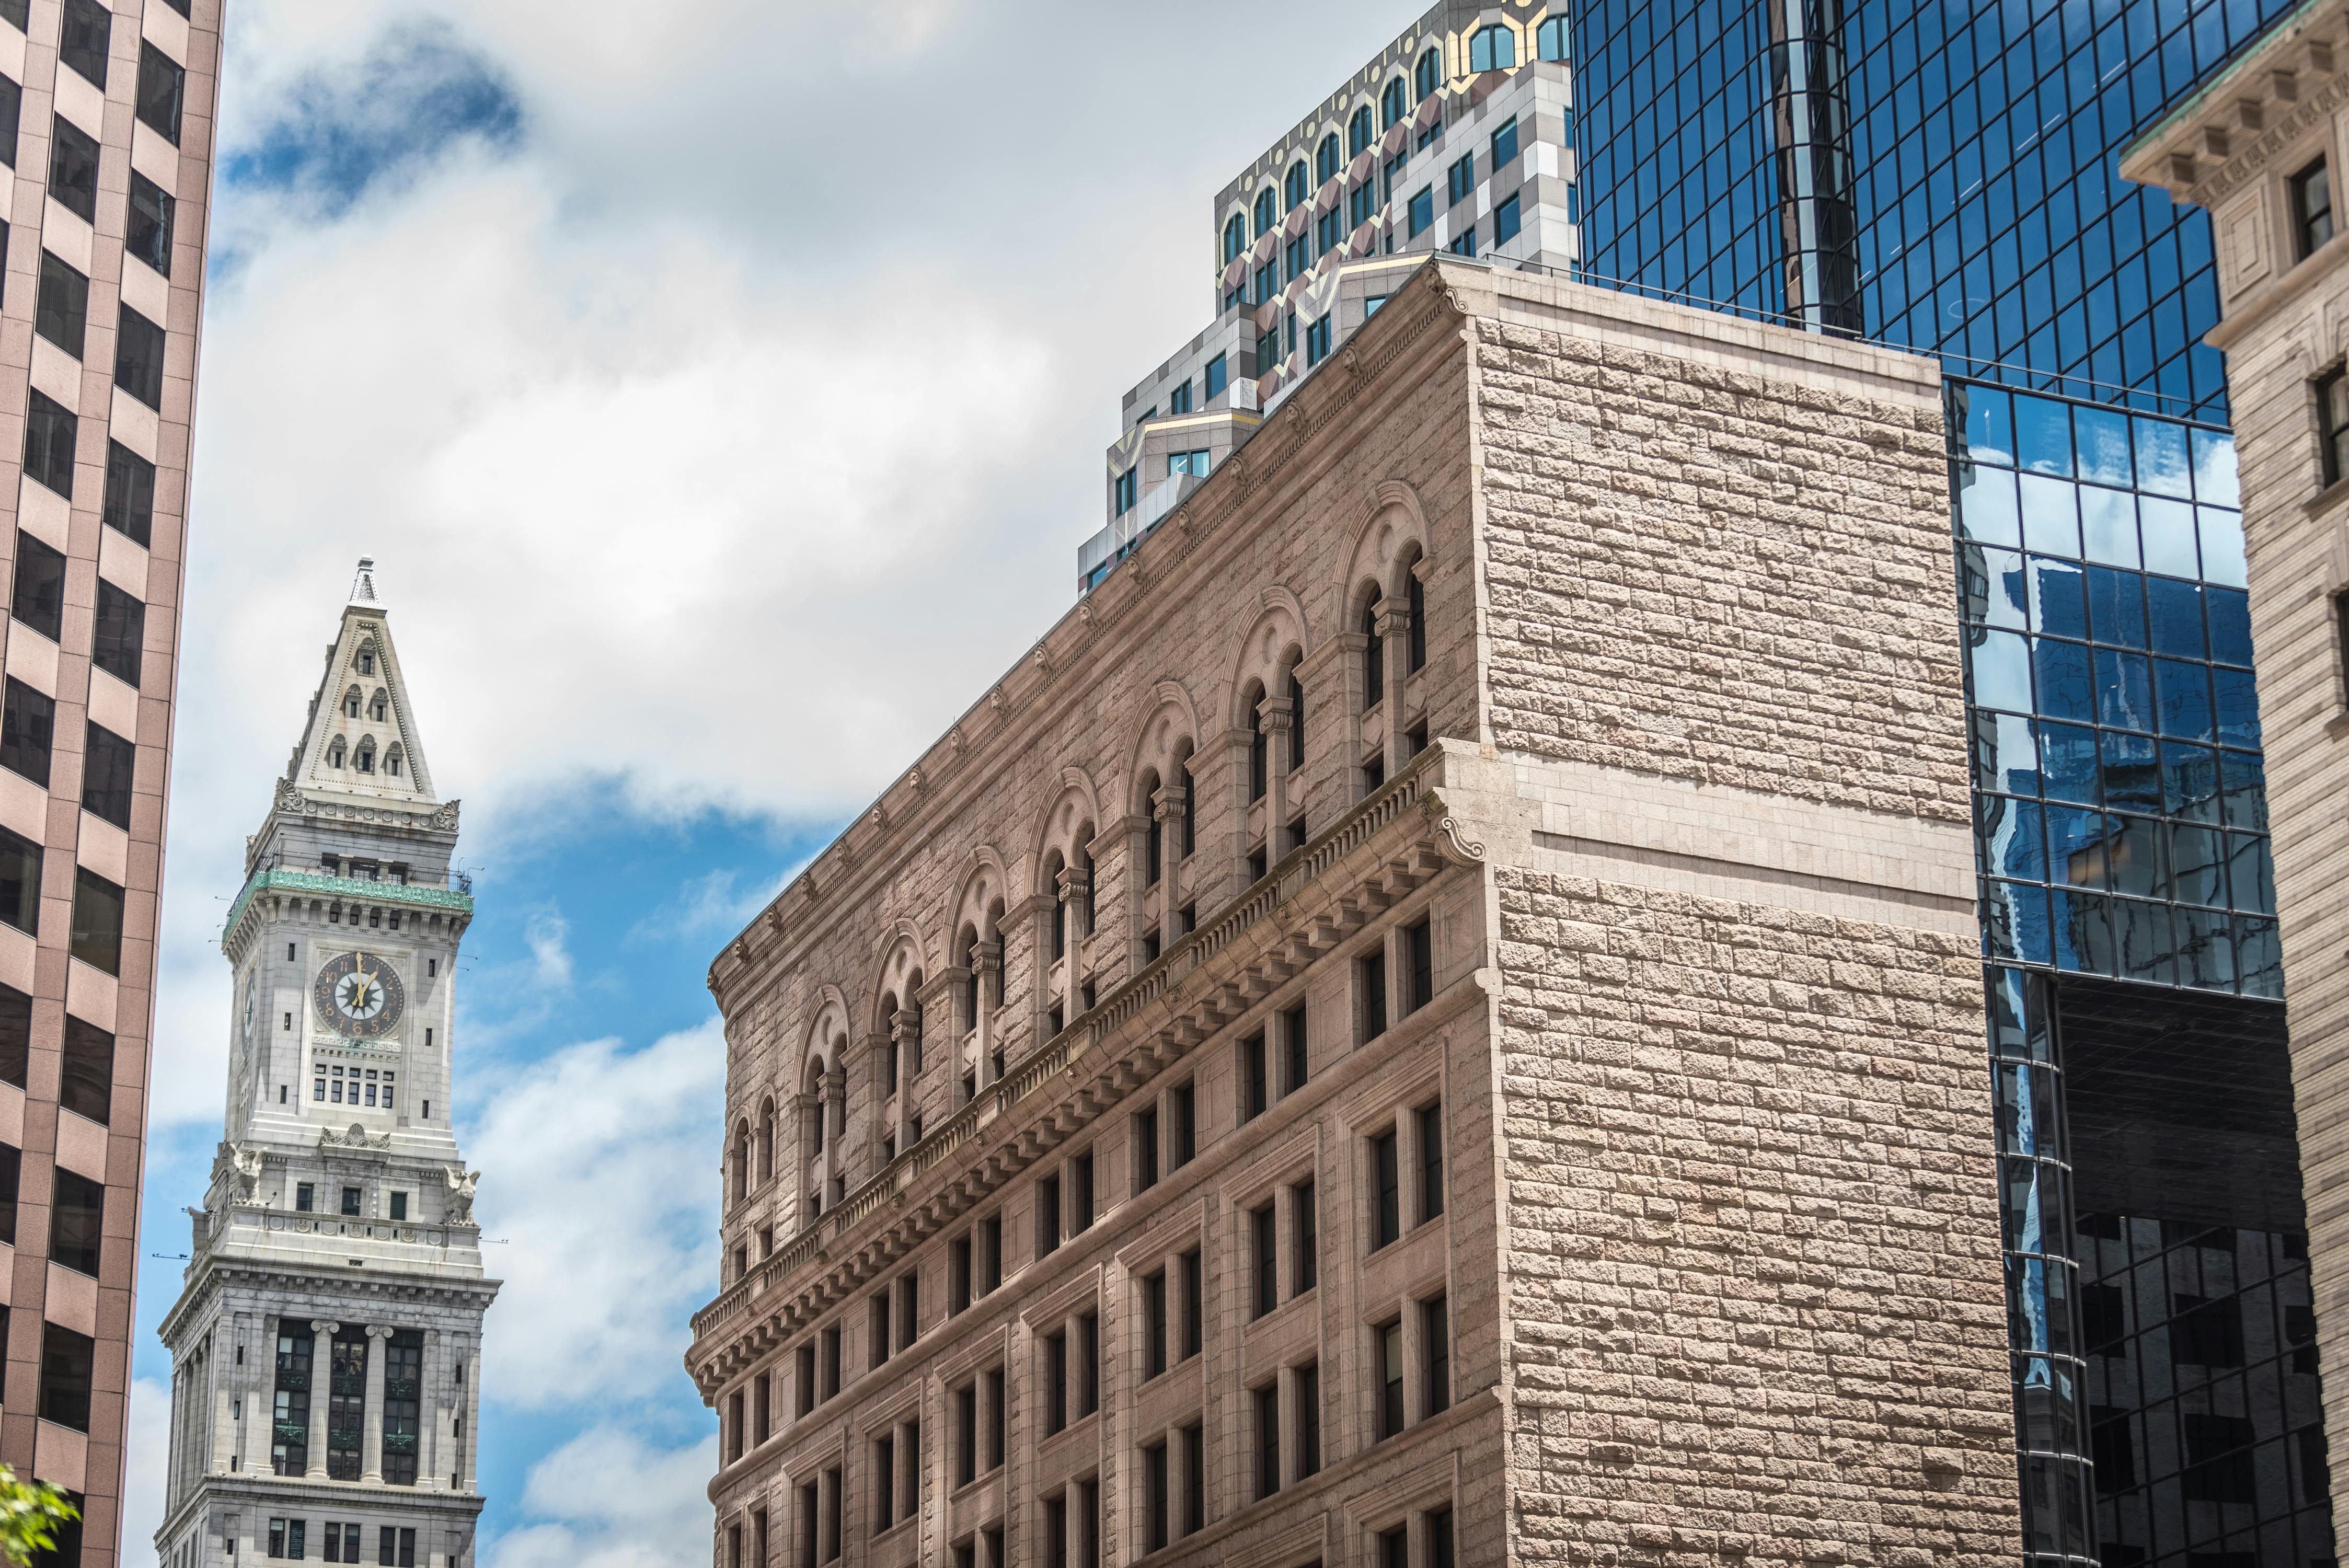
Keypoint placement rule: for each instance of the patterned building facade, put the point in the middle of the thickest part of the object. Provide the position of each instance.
(325, 1349)
(1435, 1017)
(106, 125)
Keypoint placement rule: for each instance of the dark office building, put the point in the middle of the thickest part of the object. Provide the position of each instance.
(1945, 179)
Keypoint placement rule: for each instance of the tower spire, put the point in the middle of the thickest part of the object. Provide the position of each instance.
(363, 585)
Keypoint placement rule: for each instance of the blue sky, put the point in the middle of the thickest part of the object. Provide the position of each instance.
(721, 387)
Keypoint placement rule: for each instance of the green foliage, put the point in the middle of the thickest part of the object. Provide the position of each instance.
(30, 1512)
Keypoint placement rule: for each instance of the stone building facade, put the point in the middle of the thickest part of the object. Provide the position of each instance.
(106, 126)
(2264, 148)
(327, 1346)
(1435, 1017)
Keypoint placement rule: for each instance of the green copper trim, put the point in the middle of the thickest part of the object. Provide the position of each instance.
(349, 888)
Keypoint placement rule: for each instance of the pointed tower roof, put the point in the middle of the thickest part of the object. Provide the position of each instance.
(361, 743)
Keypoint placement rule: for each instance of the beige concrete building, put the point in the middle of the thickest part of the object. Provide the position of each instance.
(1435, 1017)
(106, 123)
(2265, 149)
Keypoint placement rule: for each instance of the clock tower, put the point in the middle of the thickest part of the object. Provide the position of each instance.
(327, 1346)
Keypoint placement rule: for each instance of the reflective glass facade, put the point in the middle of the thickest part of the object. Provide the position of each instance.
(2157, 1286)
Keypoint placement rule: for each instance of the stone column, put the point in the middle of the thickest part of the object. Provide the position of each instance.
(986, 962)
(378, 1348)
(1073, 887)
(805, 1109)
(1166, 805)
(1394, 642)
(905, 1037)
(322, 1378)
(1277, 714)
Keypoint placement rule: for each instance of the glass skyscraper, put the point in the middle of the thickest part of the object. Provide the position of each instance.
(1944, 178)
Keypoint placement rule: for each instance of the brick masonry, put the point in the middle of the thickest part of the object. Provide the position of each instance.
(1701, 1034)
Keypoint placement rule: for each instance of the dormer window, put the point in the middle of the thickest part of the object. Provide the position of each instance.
(366, 757)
(391, 763)
(351, 703)
(334, 753)
(366, 661)
(2312, 210)
(380, 709)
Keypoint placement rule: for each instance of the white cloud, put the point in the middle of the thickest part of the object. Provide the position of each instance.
(601, 1180)
(711, 908)
(147, 1465)
(608, 1499)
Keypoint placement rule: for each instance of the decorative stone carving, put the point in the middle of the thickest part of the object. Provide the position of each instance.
(462, 1183)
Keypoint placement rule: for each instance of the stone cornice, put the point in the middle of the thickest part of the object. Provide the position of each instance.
(285, 1280)
(346, 890)
(1398, 838)
(2275, 92)
(1292, 446)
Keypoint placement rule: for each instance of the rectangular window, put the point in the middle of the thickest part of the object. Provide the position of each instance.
(1193, 464)
(152, 214)
(958, 1274)
(1218, 377)
(12, 112)
(16, 1032)
(1178, 401)
(61, 307)
(1317, 341)
(1464, 243)
(2341, 636)
(965, 1428)
(1089, 1524)
(2312, 210)
(38, 599)
(27, 732)
(1509, 221)
(1505, 145)
(1267, 351)
(1127, 493)
(73, 168)
(97, 921)
(1154, 1522)
(66, 1362)
(1264, 1231)
(1419, 953)
(119, 643)
(12, 1171)
(1390, 1378)
(1371, 980)
(990, 1254)
(1194, 1479)
(1308, 1420)
(1267, 283)
(1435, 1344)
(1267, 1440)
(1430, 1161)
(1422, 216)
(1361, 203)
(998, 1416)
(833, 1503)
(1439, 1539)
(83, 37)
(1460, 180)
(49, 433)
(1294, 1050)
(1394, 1548)
(1047, 1214)
(1306, 1267)
(1145, 1151)
(2332, 422)
(876, 1330)
(76, 1222)
(1252, 1077)
(1183, 1105)
(828, 1374)
(138, 357)
(1195, 1305)
(163, 89)
(1056, 1383)
(1386, 1192)
(1154, 1325)
(1081, 1193)
(1088, 1363)
(105, 775)
(1298, 258)
(1330, 228)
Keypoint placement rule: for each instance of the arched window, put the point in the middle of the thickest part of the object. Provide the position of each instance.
(1494, 48)
(1550, 41)
(1325, 162)
(1430, 72)
(1392, 104)
(351, 703)
(1374, 656)
(1260, 746)
(1155, 852)
(1297, 188)
(391, 763)
(1190, 825)
(334, 753)
(816, 1107)
(1234, 237)
(1051, 886)
(366, 661)
(1265, 216)
(767, 1141)
(1415, 600)
(1358, 132)
(1085, 864)
(1295, 720)
(366, 757)
(380, 709)
(741, 1161)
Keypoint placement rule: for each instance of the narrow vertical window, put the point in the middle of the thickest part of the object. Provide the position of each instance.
(1374, 656)
(1415, 638)
(1264, 1232)
(998, 1417)
(1252, 1077)
(1194, 1479)
(1390, 1378)
(1195, 1305)
(1419, 953)
(1183, 1104)
(1386, 1196)
(1439, 1521)
(966, 1429)
(1294, 1048)
(2333, 424)
(1435, 1340)
(1308, 1418)
(1056, 1382)
(2312, 210)
(1370, 981)
(1154, 1520)
(1081, 1192)
(1145, 1151)
(1267, 1440)
(1430, 1128)
(1154, 1325)
(1048, 1216)
(990, 1238)
(1306, 1267)
(1088, 1363)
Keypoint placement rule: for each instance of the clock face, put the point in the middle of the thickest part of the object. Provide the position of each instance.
(251, 1000)
(360, 993)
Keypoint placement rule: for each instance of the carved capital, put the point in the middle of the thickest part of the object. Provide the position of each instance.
(1074, 884)
(1276, 714)
(380, 1331)
(987, 957)
(323, 1326)
(1167, 802)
